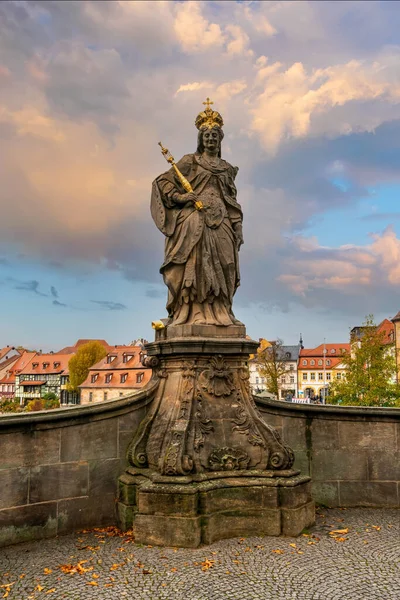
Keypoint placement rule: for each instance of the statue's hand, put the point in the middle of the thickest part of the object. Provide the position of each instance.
(185, 198)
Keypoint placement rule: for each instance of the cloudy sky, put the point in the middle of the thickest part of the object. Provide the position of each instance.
(310, 96)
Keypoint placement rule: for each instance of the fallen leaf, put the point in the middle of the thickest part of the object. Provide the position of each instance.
(51, 591)
(376, 527)
(292, 545)
(340, 539)
(39, 588)
(145, 572)
(207, 564)
(277, 551)
(47, 571)
(92, 583)
(341, 531)
(174, 570)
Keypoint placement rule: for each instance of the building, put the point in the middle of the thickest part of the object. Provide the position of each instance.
(7, 353)
(317, 367)
(118, 374)
(287, 357)
(43, 374)
(13, 368)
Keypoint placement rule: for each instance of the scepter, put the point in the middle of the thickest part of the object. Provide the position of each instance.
(185, 184)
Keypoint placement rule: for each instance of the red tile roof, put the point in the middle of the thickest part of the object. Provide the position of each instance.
(333, 354)
(386, 327)
(29, 382)
(119, 352)
(17, 367)
(81, 342)
(6, 350)
(40, 359)
(115, 382)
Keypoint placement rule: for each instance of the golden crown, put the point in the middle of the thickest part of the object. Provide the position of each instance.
(208, 118)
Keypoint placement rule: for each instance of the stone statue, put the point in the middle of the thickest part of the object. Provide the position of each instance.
(203, 229)
(203, 463)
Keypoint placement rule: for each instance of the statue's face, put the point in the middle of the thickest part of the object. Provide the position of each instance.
(211, 140)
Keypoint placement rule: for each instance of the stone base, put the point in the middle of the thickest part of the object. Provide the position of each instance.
(200, 509)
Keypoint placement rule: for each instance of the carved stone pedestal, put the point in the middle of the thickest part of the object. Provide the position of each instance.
(204, 464)
(189, 511)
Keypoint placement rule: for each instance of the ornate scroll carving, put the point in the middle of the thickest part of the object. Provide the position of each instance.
(203, 424)
(176, 462)
(245, 425)
(228, 459)
(217, 380)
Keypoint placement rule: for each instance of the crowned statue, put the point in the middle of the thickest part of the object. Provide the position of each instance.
(194, 205)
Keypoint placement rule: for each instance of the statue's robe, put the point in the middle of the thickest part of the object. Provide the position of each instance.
(201, 266)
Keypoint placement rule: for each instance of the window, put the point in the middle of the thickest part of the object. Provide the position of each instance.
(121, 394)
(320, 362)
(328, 362)
(110, 358)
(127, 357)
(139, 377)
(292, 379)
(257, 380)
(90, 396)
(291, 367)
(105, 396)
(328, 376)
(333, 351)
(124, 377)
(262, 379)
(283, 379)
(304, 362)
(288, 355)
(45, 365)
(109, 376)
(312, 362)
(312, 376)
(56, 365)
(94, 377)
(338, 376)
(305, 377)
(34, 365)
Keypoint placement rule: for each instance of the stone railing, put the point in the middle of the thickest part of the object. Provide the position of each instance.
(59, 468)
(351, 453)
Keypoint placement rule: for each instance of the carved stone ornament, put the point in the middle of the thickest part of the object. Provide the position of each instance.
(228, 459)
(217, 380)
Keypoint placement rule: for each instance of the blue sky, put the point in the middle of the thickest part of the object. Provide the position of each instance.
(310, 95)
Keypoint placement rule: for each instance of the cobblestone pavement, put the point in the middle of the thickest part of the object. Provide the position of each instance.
(349, 555)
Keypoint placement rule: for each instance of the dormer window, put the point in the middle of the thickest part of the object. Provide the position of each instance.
(124, 377)
(45, 365)
(110, 358)
(287, 354)
(320, 362)
(109, 377)
(127, 357)
(94, 378)
(35, 365)
(328, 362)
(312, 362)
(304, 362)
(333, 351)
(56, 365)
(139, 377)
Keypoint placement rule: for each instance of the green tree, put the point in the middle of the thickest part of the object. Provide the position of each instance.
(87, 356)
(271, 365)
(370, 369)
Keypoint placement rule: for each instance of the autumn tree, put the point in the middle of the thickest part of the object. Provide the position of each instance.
(86, 356)
(271, 364)
(370, 370)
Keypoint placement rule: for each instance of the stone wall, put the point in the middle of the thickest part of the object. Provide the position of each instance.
(351, 453)
(59, 469)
